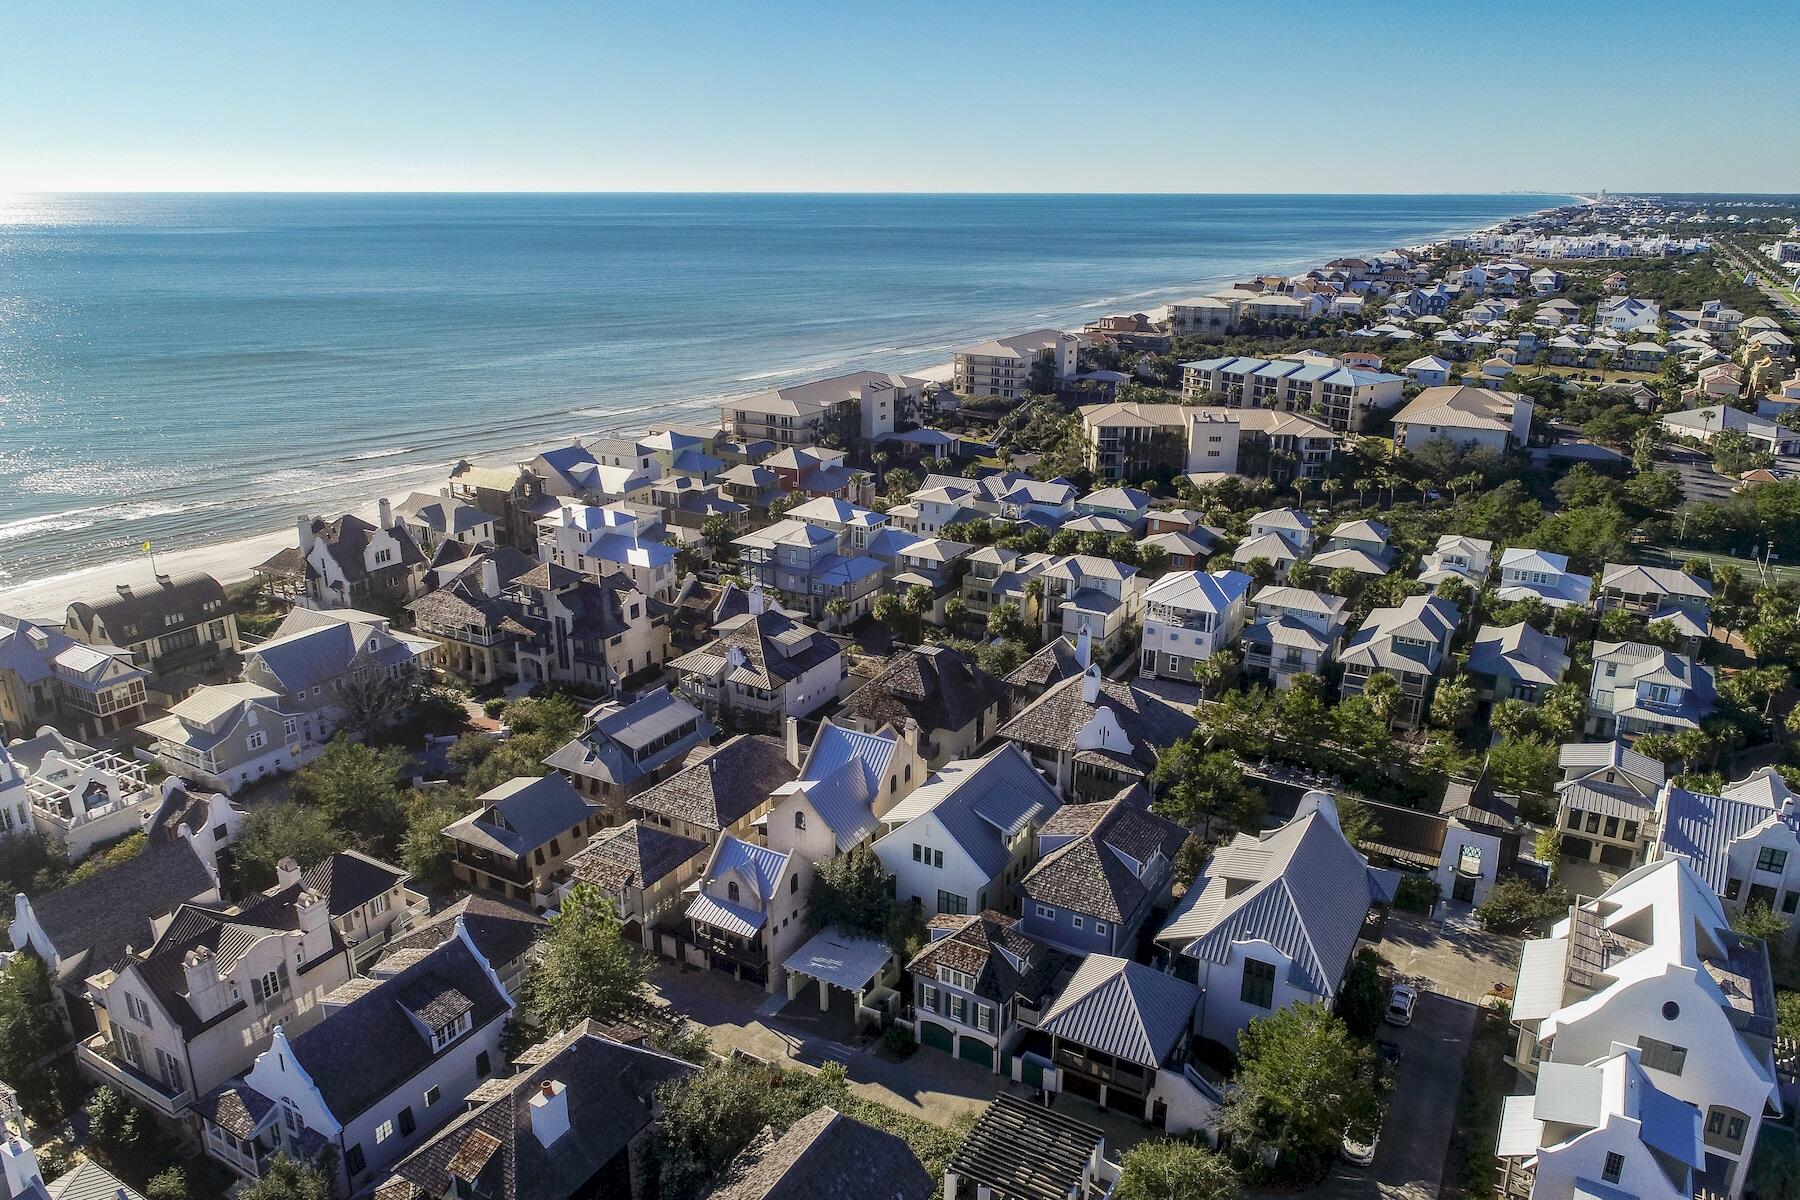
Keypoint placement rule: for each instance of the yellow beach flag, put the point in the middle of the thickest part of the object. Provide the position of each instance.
(146, 547)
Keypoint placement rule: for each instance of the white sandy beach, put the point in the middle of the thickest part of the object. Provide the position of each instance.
(233, 561)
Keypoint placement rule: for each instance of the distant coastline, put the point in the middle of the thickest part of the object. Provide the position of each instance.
(351, 482)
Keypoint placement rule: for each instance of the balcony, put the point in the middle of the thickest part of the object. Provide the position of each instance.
(95, 1056)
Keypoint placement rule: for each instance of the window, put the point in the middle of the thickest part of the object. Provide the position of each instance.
(958, 1008)
(799, 819)
(1079, 921)
(354, 1160)
(482, 1064)
(1789, 902)
(1771, 859)
(256, 741)
(937, 858)
(383, 1132)
(1259, 983)
(928, 997)
(731, 891)
(984, 1018)
(957, 979)
(407, 1124)
(1662, 1056)
(290, 727)
(1044, 912)
(1731, 888)
(431, 1096)
(918, 852)
(1615, 1166)
(140, 1012)
(1102, 928)
(794, 883)
(951, 903)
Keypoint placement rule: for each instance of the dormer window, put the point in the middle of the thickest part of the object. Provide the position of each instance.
(443, 1035)
(799, 819)
(731, 892)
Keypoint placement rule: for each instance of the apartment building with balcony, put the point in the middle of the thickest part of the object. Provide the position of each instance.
(1013, 367)
(1339, 396)
(1128, 440)
(860, 405)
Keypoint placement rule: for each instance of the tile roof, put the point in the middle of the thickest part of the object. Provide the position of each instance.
(632, 855)
(91, 922)
(933, 685)
(826, 1156)
(988, 946)
(350, 879)
(765, 650)
(723, 787)
(610, 1090)
(501, 930)
(1099, 870)
(1056, 719)
(137, 614)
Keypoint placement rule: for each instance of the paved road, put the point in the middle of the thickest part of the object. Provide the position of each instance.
(1409, 1158)
(1700, 482)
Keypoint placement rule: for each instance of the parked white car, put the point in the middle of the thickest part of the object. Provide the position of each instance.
(1402, 999)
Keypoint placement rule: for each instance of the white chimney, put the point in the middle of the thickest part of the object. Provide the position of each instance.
(490, 577)
(550, 1113)
(20, 1161)
(1084, 648)
(792, 729)
(287, 873)
(568, 514)
(1090, 686)
(306, 534)
(756, 600)
(386, 510)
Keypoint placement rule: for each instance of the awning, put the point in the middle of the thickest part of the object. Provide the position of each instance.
(840, 960)
(1542, 970)
(1521, 1134)
(723, 914)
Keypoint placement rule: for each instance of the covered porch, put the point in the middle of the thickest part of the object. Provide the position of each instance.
(850, 978)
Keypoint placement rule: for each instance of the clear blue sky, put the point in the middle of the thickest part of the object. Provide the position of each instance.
(972, 95)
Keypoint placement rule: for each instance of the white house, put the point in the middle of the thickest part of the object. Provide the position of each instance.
(1637, 688)
(1457, 557)
(1273, 919)
(1744, 842)
(1652, 964)
(748, 912)
(1429, 371)
(1527, 574)
(1705, 424)
(1188, 617)
(1296, 632)
(960, 842)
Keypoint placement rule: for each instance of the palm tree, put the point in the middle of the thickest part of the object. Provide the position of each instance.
(1213, 670)
(1332, 488)
(1383, 694)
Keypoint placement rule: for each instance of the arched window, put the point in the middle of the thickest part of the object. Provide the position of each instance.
(794, 884)
(799, 818)
(731, 892)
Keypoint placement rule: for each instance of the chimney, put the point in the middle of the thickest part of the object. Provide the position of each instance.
(1084, 648)
(386, 511)
(165, 581)
(21, 1168)
(490, 577)
(756, 601)
(568, 514)
(124, 590)
(444, 493)
(306, 534)
(1090, 686)
(200, 974)
(287, 872)
(550, 1113)
(792, 729)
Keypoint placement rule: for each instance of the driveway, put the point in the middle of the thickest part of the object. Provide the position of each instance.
(930, 1084)
(1449, 954)
(1409, 1158)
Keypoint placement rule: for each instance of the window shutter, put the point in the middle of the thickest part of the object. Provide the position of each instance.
(256, 988)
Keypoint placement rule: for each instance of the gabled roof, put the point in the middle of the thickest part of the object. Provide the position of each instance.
(1131, 1011)
(826, 1156)
(632, 855)
(610, 1090)
(1303, 888)
(92, 921)
(132, 615)
(522, 814)
(350, 879)
(500, 930)
(723, 787)
(1098, 871)
(934, 685)
(1702, 828)
(981, 803)
(1019, 1150)
(764, 650)
(1055, 720)
(988, 947)
(360, 1053)
(842, 777)
(1518, 652)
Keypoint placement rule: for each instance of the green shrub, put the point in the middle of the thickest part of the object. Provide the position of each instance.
(1417, 893)
(898, 1041)
(1515, 906)
(493, 708)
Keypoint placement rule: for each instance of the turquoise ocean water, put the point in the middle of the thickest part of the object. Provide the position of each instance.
(185, 369)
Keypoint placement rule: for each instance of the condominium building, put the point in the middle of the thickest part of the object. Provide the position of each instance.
(1017, 366)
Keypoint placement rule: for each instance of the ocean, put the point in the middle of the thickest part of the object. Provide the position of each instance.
(187, 369)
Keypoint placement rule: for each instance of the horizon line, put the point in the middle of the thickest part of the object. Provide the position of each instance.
(525, 191)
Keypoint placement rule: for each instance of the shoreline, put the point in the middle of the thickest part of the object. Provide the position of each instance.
(235, 560)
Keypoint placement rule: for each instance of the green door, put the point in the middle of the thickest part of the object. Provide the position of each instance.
(978, 1051)
(936, 1036)
(1031, 1071)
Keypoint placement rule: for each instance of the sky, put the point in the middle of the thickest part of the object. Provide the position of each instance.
(965, 96)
